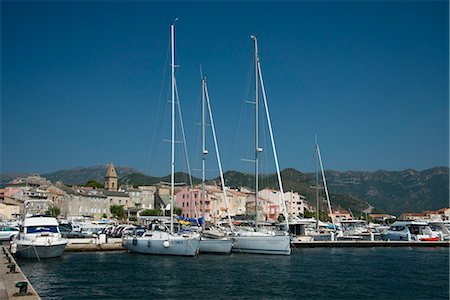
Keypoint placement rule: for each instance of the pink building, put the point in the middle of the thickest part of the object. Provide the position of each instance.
(189, 200)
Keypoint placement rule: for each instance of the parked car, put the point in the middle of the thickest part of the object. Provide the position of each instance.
(7, 233)
(75, 235)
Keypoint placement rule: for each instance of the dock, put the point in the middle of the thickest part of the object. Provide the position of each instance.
(82, 245)
(367, 244)
(14, 285)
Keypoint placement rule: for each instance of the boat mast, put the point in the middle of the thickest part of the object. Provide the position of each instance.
(325, 187)
(204, 152)
(257, 149)
(172, 177)
(317, 187)
(274, 150)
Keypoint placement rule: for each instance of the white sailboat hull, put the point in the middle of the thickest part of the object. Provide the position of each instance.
(162, 243)
(259, 243)
(218, 246)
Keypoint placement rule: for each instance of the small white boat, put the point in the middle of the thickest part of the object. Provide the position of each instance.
(40, 237)
(442, 228)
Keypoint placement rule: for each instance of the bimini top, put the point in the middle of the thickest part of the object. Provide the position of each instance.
(40, 221)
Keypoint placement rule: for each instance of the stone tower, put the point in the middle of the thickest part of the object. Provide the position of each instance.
(111, 178)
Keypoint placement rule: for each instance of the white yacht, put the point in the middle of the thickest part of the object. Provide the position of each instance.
(39, 237)
(261, 241)
(166, 241)
(411, 231)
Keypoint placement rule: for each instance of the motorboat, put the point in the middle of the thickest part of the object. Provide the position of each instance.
(40, 237)
(411, 231)
(442, 228)
(358, 230)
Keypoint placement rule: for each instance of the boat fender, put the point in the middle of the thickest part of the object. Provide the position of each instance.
(135, 241)
(166, 244)
(149, 243)
(13, 248)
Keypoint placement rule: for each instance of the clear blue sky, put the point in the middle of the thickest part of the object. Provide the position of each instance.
(81, 82)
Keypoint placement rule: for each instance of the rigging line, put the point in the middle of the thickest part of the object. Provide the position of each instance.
(233, 153)
(216, 146)
(163, 80)
(275, 156)
(184, 139)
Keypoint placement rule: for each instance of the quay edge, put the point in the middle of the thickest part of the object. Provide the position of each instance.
(8, 280)
(364, 244)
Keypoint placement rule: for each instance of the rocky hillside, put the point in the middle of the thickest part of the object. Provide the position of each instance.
(82, 175)
(395, 191)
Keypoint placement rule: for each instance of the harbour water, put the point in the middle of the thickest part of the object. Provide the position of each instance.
(316, 273)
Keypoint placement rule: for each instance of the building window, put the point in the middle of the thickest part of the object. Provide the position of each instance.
(187, 204)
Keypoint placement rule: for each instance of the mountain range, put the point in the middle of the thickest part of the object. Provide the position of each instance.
(382, 191)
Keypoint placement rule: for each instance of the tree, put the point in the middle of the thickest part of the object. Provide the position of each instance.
(178, 211)
(151, 212)
(53, 211)
(117, 211)
(94, 183)
(104, 216)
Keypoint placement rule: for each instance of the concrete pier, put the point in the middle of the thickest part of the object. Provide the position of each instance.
(363, 244)
(94, 244)
(9, 280)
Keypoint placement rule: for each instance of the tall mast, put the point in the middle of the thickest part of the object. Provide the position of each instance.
(172, 175)
(325, 187)
(204, 152)
(317, 186)
(257, 149)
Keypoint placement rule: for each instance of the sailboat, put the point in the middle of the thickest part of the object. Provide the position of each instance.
(258, 241)
(166, 241)
(212, 241)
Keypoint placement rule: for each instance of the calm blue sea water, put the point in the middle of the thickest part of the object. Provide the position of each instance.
(317, 273)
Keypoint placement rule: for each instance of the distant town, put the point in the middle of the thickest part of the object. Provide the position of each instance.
(36, 194)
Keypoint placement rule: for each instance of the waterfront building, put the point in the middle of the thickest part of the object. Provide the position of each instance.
(189, 200)
(295, 204)
(85, 202)
(341, 215)
(237, 203)
(142, 197)
(442, 214)
(381, 217)
(267, 210)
